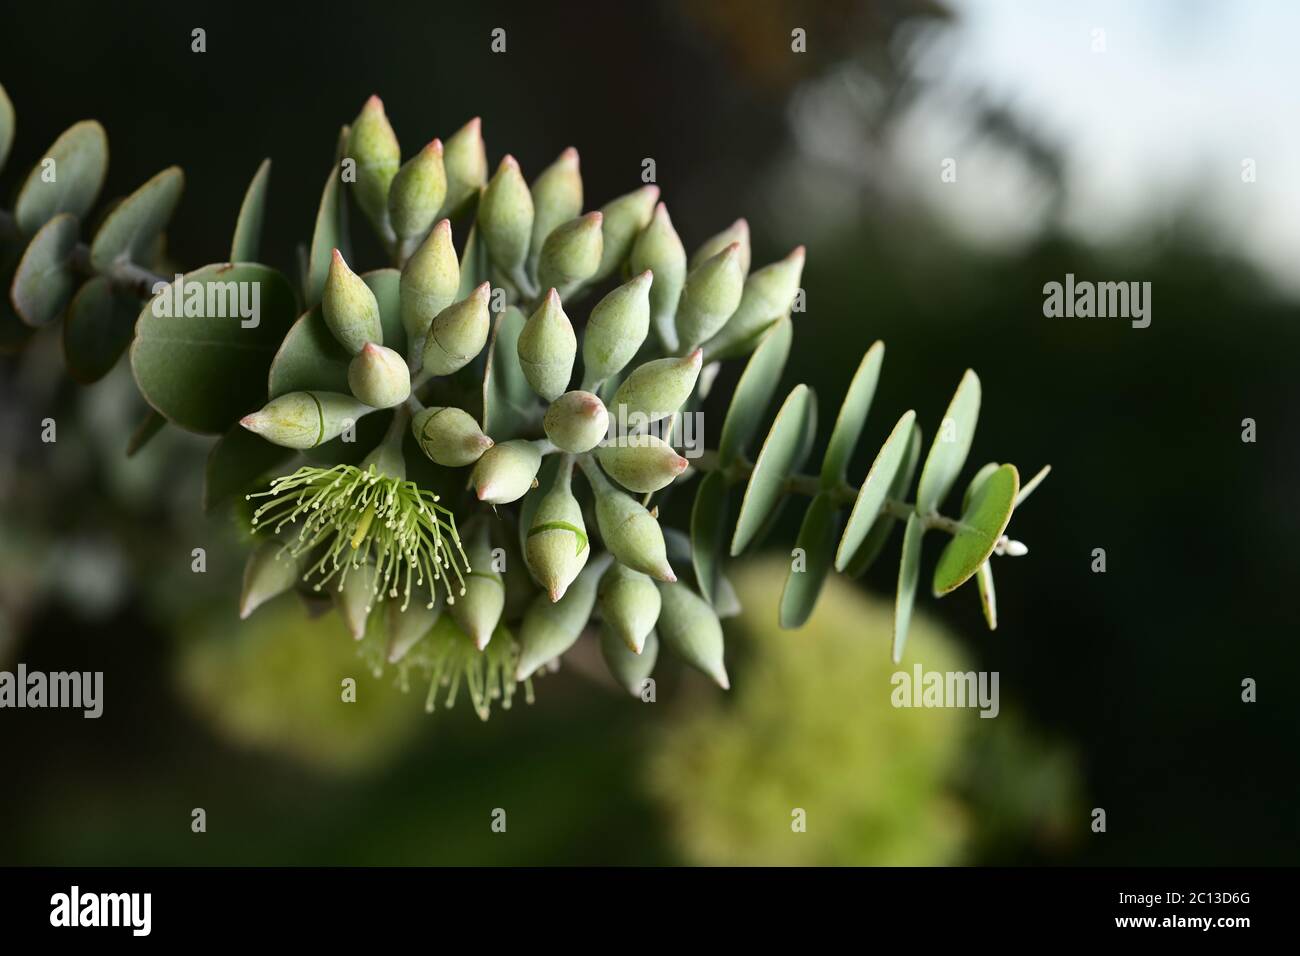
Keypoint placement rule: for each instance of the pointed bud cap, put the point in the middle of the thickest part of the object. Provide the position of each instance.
(417, 192)
(629, 603)
(737, 232)
(350, 308)
(571, 253)
(269, 572)
(547, 348)
(354, 596)
(458, 333)
(379, 377)
(616, 328)
(769, 293)
(464, 157)
(430, 282)
(505, 472)
(689, 628)
(449, 436)
(557, 198)
(305, 419)
(625, 217)
(505, 216)
(551, 627)
(631, 534)
(478, 610)
(711, 295)
(660, 250)
(373, 145)
(641, 463)
(407, 628)
(576, 422)
(656, 389)
(556, 546)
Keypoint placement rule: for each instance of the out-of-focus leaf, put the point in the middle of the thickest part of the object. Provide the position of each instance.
(247, 243)
(97, 329)
(131, 230)
(44, 280)
(67, 178)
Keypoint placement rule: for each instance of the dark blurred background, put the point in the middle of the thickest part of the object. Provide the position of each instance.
(1120, 690)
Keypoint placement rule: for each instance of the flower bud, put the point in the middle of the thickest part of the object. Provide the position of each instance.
(710, 296)
(616, 328)
(449, 436)
(576, 422)
(430, 282)
(355, 592)
(351, 310)
(417, 192)
(547, 348)
(458, 333)
(465, 160)
(269, 572)
(629, 603)
(407, 628)
(737, 232)
(628, 669)
(768, 293)
(556, 548)
(625, 217)
(658, 388)
(557, 198)
(549, 629)
(688, 626)
(478, 610)
(631, 534)
(506, 471)
(505, 216)
(660, 250)
(641, 463)
(571, 253)
(305, 419)
(379, 377)
(372, 144)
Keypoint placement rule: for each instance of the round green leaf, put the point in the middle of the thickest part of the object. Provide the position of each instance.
(876, 488)
(951, 445)
(980, 477)
(44, 279)
(909, 572)
(6, 125)
(852, 416)
(97, 330)
(754, 391)
(816, 541)
(310, 358)
(247, 243)
(982, 524)
(709, 531)
(777, 459)
(331, 231)
(236, 463)
(130, 231)
(508, 400)
(204, 371)
(66, 179)
(878, 536)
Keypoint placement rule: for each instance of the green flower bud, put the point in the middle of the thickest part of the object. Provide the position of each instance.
(737, 232)
(373, 145)
(465, 160)
(660, 250)
(430, 282)
(710, 296)
(417, 192)
(629, 669)
(768, 294)
(625, 217)
(641, 463)
(354, 595)
(379, 377)
(351, 310)
(458, 333)
(305, 419)
(449, 436)
(556, 548)
(616, 328)
(630, 532)
(505, 217)
(629, 603)
(547, 348)
(571, 253)
(576, 422)
(478, 610)
(407, 628)
(506, 472)
(557, 198)
(269, 572)
(688, 626)
(657, 389)
(549, 629)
